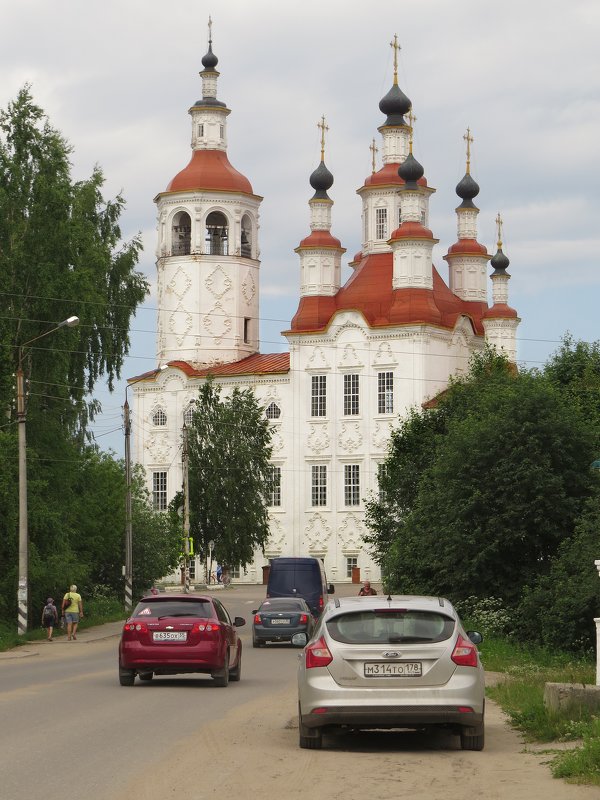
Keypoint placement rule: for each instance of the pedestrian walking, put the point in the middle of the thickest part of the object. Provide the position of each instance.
(49, 617)
(72, 608)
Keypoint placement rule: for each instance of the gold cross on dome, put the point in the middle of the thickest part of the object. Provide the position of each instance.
(411, 120)
(469, 140)
(323, 128)
(396, 47)
(374, 149)
(499, 229)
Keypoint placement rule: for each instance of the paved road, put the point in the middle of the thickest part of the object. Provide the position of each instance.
(67, 729)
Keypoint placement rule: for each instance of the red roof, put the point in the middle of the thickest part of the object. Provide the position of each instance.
(256, 364)
(500, 311)
(389, 174)
(369, 291)
(210, 169)
(411, 230)
(319, 239)
(467, 247)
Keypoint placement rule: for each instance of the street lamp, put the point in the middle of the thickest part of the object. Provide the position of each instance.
(23, 585)
(128, 568)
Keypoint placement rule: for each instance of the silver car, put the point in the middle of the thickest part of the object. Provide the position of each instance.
(395, 662)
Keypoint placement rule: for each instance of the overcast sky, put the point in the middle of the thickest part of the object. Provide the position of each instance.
(117, 78)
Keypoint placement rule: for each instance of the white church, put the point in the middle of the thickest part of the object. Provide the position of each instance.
(360, 354)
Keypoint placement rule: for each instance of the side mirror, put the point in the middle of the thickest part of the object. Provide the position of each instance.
(255, 611)
(239, 621)
(299, 639)
(475, 637)
(331, 589)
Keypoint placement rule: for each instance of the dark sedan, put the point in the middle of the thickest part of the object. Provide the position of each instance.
(279, 618)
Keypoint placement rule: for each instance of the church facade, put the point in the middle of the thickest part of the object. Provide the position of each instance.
(361, 354)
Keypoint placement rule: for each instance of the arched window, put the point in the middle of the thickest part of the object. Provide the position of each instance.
(217, 234)
(246, 244)
(181, 234)
(159, 418)
(273, 411)
(188, 415)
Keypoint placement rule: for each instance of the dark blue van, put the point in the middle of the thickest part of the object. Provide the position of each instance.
(300, 577)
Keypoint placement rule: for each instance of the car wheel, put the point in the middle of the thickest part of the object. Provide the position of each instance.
(221, 678)
(146, 676)
(126, 676)
(309, 738)
(236, 673)
(473, 738)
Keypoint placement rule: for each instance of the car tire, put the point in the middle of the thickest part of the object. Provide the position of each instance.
(126, 676)
(221, 678)
(308, 738)
(236, 673)
(146, 676)
(473, 738)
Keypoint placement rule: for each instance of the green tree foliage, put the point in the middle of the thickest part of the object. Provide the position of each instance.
(495, 490)
(60, 254)
(229, 452)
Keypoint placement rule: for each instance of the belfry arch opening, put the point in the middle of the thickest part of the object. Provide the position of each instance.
(181, 234)
(217, 234)
(246, 243)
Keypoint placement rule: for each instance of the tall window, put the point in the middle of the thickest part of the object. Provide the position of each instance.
(381, 223)
(351, 484)
(273, 411)
(200, 130)
(385, 393)
(318, 404)
(192, 568)
(159, 418)
(381, 478)
(246, 241)
(217, 234)
(274, 486)
(246, 330)
(351, 562)
(222, 131)
(188, 415)
(181, 234)
(159, 491)
(351, 405)
(319, 485)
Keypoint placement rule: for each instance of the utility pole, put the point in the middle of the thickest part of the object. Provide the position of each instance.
(186, 512)
(128, 521)
(23, 583)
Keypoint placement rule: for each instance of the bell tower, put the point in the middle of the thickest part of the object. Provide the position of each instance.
(207, 250)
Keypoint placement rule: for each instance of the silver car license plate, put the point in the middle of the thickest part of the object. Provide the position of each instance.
(169, 636)
(398, 669)
(280, 621)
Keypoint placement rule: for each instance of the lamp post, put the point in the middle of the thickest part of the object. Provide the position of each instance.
(128, 568)
(23, 585)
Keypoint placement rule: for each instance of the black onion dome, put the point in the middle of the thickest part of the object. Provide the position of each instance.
(499, 262)
(321, 180)
(395, 105)
(467, 189)
(410, 171)
(209, 61)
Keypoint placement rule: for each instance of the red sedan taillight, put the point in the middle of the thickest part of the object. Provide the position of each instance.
(465, 653)
(303, 619)
(206, 627)
(258, 619)
(317, 654)
(131, 628)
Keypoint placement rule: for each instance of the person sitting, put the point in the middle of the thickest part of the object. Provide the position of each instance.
(366, 590)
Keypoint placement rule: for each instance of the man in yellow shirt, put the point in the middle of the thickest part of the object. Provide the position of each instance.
(72, 608)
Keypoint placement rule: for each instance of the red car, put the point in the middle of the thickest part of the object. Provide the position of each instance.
(172, 634)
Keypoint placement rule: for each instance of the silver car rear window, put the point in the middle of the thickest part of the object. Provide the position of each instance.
(390, 626)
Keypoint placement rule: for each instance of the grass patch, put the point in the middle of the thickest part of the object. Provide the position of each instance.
(521, 696)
